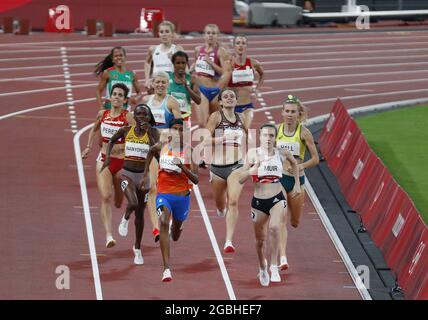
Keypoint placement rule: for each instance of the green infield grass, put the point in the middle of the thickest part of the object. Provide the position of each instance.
(400, 139)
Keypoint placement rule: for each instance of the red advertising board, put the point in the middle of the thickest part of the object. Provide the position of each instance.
(387, 211)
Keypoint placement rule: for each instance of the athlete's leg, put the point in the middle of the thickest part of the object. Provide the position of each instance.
(139, 218)
(118, 194)
(202, 111)
(176, 228)
(219, 187)
(295, 207)
(260, 220)
(130, 190)
(234, 189)
(105, 182)
(151, 204)
(214, 105)
(164, 216)
(277, 213)
(283, 238)
(248, 116)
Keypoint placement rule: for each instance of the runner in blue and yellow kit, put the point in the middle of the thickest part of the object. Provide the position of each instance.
(294, 137)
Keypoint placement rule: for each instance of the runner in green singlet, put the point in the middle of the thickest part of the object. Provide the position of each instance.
(182, 86)
(112, 70)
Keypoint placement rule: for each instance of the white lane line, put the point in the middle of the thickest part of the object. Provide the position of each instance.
(361, 96)
(358, 90)
(332, 53)
(338, 76)
(83, 189)
(87, 212)
(352, 59)
(348, 75)
(264, 63)
(73, 56)
(67, 85)
(47, 106)
(273, 70)
(340, 36)
(139, 51)
(69, 94)
(337, 243)
(391, 93)
(280, 62)
(310, 46)
(353, 66)
(213, 239)
(80, 207)
(355, 84)
(335, 46)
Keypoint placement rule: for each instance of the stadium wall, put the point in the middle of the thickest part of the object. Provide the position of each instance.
(190, 16)
(387, 211)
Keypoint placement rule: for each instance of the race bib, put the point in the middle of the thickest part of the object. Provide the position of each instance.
(127, 83)
(238, 134)
(139, 150)
(269, 170)
(108, 131)
(293, 147)
(246, 75)
(163, 67)
(166, 163)
(182, 100)
(159, 115)
(203, 67)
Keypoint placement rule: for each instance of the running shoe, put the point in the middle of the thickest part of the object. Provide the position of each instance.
(110, 242)
(263, 277)
(138, 259)
(221, 213)
(123, 227)
(283, 263)
(228, 247)
(166, 276)
(203, 164)
(156, 234)
(274, 274)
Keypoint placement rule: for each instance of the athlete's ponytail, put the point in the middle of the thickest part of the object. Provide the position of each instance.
(107, 62)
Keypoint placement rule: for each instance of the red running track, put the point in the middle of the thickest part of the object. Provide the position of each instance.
(42, 225)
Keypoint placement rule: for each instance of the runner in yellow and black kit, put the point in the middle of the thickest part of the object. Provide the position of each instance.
(138, 140)
(294, 137)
